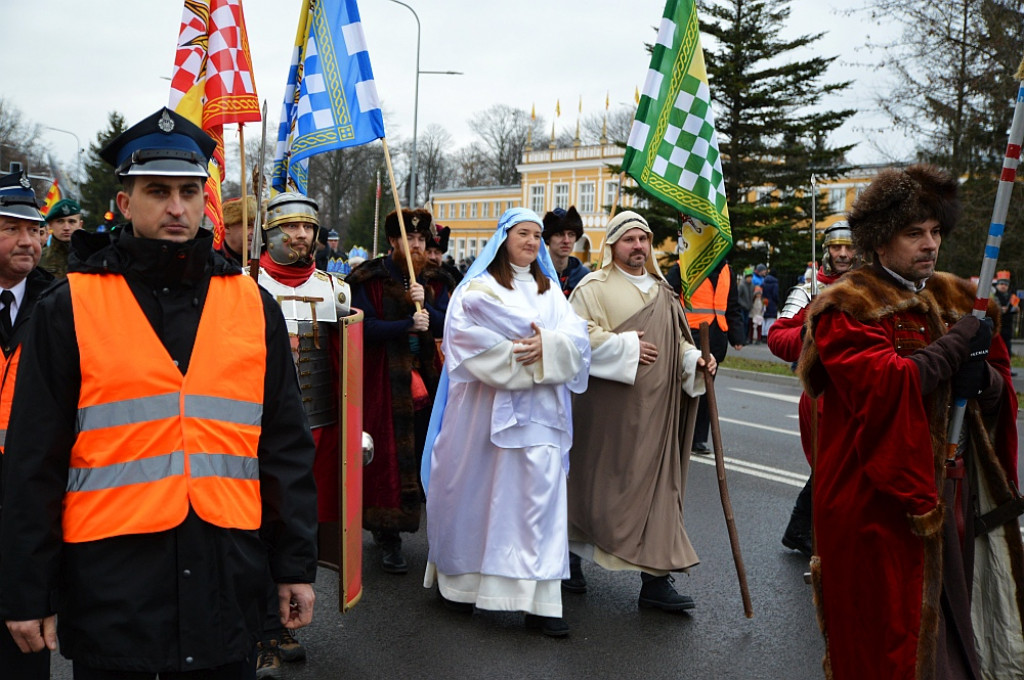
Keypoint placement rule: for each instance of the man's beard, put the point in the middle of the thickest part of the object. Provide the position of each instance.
(419, 261)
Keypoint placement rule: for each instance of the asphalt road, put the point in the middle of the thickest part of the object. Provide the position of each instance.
(400, 630)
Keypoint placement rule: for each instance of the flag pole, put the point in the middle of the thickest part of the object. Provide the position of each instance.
(398, 211)
(245, 202)
(376, 217)
(995, 237)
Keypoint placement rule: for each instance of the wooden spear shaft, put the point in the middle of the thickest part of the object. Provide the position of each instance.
(398, 211)
(245, 202)
(723, 487)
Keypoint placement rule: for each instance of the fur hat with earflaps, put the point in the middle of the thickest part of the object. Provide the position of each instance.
(898, 198)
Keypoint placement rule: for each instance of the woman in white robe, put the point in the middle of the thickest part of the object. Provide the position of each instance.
(496, 456)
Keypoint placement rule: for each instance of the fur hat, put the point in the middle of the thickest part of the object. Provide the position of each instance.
(418, 220)
(559, 220)
(232, 210)
(898, 198)
(440, 242)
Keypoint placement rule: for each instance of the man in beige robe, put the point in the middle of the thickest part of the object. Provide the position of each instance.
(633, 426)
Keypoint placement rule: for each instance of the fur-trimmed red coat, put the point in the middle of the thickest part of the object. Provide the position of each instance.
(391, 486)
(877, 515)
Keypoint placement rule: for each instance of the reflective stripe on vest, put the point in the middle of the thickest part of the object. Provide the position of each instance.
(709, 302)
(9, 371)
(150, 441)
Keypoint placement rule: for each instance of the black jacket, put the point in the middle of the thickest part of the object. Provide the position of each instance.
(36, 282)
(184, 599)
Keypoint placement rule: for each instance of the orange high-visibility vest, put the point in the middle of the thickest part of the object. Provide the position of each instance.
(9, 371)
(151, 441)
(709, 303)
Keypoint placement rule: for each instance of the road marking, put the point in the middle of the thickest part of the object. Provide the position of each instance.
(769, 395)
(794, 433)
(762, 471)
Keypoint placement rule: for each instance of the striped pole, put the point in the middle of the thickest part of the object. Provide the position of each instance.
(995, 237)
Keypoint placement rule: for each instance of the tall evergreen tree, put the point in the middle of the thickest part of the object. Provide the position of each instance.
(101, 186)
(773, 127)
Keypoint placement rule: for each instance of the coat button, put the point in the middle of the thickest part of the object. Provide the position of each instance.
(189, 659)
(186, 573)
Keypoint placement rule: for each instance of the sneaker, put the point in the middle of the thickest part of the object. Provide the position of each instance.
(268, 661)
(291, 649)
(657, 592)
(548, 625)
(798, 535)
(577, 582)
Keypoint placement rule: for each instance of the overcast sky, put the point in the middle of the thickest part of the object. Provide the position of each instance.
(68, 63)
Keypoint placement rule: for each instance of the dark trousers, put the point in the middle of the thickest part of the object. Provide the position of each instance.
(231, 671)
(16, 664)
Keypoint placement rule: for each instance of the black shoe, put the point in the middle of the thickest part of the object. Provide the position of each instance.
(548, 625)
(577, 582)
(657, 592)
(799, 540)
(268, 661)
(701, 448)
(291, 649)
(391, 560)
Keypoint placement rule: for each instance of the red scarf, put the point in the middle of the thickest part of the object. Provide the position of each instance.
(292, 275)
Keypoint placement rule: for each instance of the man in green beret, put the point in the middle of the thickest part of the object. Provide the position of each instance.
(63, 219)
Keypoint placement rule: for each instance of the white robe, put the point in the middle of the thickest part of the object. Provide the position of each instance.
(496, 504)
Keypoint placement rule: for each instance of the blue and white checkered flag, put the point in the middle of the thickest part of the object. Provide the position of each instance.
(330, 101)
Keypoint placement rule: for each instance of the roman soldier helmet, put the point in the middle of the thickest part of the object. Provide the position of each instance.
(837, 235)
(288, 208)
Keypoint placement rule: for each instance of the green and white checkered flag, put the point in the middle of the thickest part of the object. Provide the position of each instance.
(673, 149)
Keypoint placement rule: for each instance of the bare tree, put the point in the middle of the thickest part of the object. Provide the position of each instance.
(953, 69)
(471, 166)
(503, 131)
(20, 139)
(434, 165)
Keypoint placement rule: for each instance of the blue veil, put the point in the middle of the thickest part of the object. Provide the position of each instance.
(509, 219)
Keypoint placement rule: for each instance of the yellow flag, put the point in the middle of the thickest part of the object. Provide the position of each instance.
(558, 107)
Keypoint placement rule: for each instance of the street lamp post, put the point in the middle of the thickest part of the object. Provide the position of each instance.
(78, 152)
(416, 104)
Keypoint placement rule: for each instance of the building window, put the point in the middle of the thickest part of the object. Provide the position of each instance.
(562, 196)
(440, 211)
(537, 198)
(497, 210)
(485, 210)
(460, 249)
(462, 211)
(472, 211)
(611, 188)
(837, 200)
(586, 197)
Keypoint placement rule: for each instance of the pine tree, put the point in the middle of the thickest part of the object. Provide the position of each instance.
(101, 186)
(773, 127)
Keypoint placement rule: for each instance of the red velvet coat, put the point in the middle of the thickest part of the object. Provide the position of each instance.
(786, 341)
(877, 517)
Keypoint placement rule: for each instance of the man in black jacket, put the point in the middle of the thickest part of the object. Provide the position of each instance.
(21, 282)
(176, 586)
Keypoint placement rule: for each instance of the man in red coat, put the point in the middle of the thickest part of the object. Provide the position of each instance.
(786, 339)
(913, 577)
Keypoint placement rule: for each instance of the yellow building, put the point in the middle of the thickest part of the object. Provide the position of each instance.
(549, 179)
(579, 176)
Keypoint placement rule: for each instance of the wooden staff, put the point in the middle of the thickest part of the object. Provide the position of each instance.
(398, 211)
(723, 488)
(245, 202)
(618, 195)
